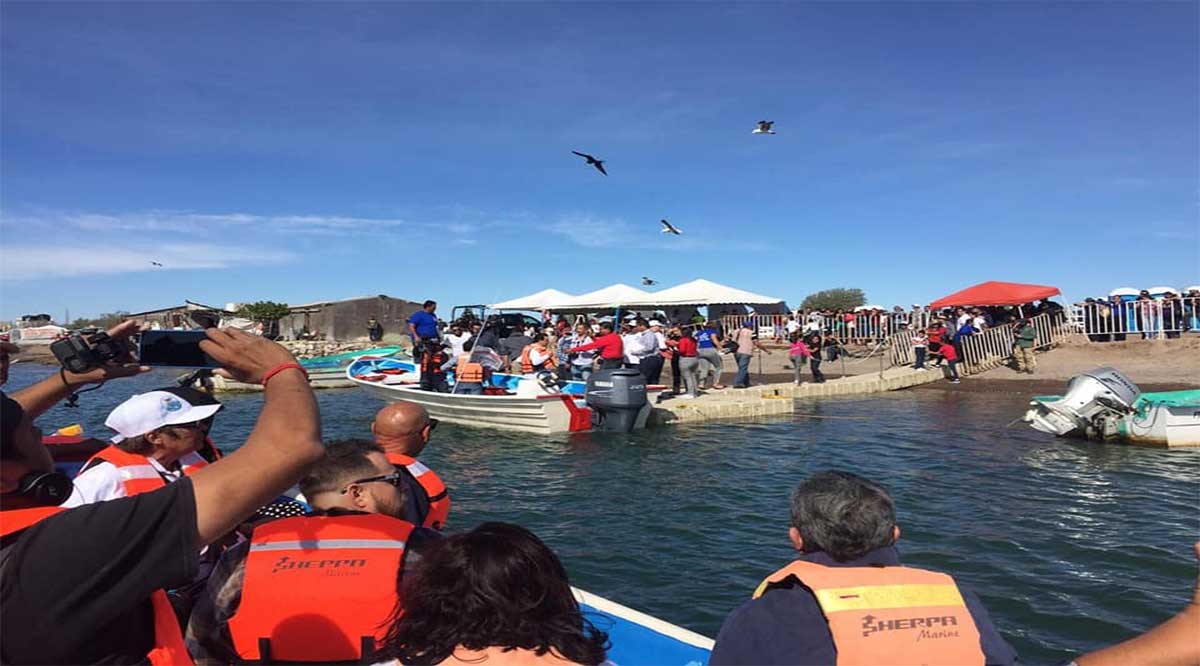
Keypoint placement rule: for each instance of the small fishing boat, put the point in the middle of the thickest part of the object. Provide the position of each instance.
(323, 371)
(638, 638)
(619, 400)
(1105, 405)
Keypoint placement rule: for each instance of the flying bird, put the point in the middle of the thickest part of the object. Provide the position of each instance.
(764, 127)
(648, 282)
(156, 264)
(669, 228)
(592, 161)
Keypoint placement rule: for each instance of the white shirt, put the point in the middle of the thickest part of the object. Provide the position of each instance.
(662, 339)
(537, 357)
(631, 346)
(963, 319)
(456, 343)
(793, 326)
(102, 482)
(979, 322)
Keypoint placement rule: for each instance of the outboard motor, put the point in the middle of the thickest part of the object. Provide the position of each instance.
(618, 399)
(1091, 406)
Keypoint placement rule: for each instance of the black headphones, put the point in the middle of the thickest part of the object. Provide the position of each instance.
(45, 488)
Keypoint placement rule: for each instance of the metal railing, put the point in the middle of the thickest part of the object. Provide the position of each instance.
(1150, 319)
(859, 328)
(988, 348)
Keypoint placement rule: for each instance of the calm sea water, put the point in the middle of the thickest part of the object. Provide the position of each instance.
(1071, 545)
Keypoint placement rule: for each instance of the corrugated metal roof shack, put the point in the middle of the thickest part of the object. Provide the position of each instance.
(346, 320)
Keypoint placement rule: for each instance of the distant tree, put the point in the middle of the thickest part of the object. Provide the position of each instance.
(264, 311)
(835, 299)
(267, 312)
(105, 320)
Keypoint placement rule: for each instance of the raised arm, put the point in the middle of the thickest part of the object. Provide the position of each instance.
(39, 397)
(285, 440)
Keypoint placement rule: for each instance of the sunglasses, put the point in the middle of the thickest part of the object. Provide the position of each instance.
(394, 478)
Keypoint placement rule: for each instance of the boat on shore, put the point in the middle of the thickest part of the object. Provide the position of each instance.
(323, 371)
(523, 403)
(1104, 405)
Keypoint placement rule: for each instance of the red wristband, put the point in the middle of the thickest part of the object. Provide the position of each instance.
(280, 368)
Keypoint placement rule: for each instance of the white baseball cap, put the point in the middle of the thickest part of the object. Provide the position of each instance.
(150, 411)
(655, 322)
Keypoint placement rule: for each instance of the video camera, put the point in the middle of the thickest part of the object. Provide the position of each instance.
(78, 355)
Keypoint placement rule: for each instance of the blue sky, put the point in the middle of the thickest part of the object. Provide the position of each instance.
(307, 151)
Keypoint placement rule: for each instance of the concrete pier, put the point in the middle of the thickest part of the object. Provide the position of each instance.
(778, 399)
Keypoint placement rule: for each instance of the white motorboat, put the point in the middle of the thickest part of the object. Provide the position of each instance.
(1105, 405)
(619, 400)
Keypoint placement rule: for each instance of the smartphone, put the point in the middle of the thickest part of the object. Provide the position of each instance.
(180, 349)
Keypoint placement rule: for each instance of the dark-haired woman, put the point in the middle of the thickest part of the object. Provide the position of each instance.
(494, 596)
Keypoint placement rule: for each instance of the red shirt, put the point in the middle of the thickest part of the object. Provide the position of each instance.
(610, 346)
(687, 347)
(948, 352)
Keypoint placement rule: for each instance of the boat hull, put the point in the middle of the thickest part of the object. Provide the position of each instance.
(638, 638)
(1168, 419)
(526, 409)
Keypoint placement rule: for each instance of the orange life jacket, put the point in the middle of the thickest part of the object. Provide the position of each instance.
(135, 471)
(467, 372)
(431, 483)
(527, 365)
(431, 363)
(889, 615)
(169, 648)
(319, 589)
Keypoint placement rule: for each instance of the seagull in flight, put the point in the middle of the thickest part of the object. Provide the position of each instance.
(155, 263)
(648, 282)
(764, 127)
(592, 161)
(669, 228)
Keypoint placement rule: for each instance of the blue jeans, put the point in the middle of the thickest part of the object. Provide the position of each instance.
(581, 372)
(743, 372)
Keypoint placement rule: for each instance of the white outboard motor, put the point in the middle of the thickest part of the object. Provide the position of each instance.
(618, 400)
(1094, 402)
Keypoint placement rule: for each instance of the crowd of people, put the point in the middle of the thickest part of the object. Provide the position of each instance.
(694, 351)
(169, 553)
(1114, 318)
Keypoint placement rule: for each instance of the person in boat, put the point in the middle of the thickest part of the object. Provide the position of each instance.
(402, 430)
(85, 585)
(642, 351)
(456, 339)
(580, 363)
(847, 598)
(7, 349)
(538, 356)
(608, 343)
(296, 590)
(423, 326)
(435, 363)
(495, 595)
(159, 434)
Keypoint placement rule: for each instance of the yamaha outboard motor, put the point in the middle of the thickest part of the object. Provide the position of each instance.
(618, 400)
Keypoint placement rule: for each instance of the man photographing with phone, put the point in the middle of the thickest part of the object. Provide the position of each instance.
(84, 585)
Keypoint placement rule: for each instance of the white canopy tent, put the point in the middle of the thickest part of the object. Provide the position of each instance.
(613, 296)
(703, 292)
(542, 300)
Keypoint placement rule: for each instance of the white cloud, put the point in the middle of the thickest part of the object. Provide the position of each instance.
(40, 262)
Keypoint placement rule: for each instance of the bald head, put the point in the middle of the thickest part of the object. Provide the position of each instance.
(402, 427)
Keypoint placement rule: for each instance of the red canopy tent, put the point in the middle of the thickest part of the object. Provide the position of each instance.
(996, 293)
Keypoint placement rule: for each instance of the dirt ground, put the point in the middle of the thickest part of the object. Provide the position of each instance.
(1154, 365)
